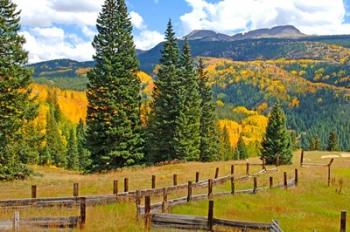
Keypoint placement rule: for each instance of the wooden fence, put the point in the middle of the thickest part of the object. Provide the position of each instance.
(129, 195)
(47, 222)
(205, 223)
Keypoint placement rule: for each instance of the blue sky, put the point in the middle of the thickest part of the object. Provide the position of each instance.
(64, 28)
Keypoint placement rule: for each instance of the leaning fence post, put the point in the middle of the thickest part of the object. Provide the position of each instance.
(301, 158)
(189, 191)
(271, 182)
(210, 188)
(115, 187)
(126, 185)
(343, 221)
(138, 204)
(34, 191)
(329, 171)
(247, 169)
(232, 169)
(16, 222)
(165, 200)
(296, 178)
(232, 185)
(255, 187)
(147, 212)
(216, 173)
(174, 179)
(263, 164)
(82, 211)
(153, 181)
(285, 183)
(75, 189)
(210, 215)
(197, 177)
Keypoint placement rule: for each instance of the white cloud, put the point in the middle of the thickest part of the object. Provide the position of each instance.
(310, 16)
(148, 39)
(137, 20)
(45, 20)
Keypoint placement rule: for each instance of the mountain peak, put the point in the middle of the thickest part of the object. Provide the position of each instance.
(207, 35)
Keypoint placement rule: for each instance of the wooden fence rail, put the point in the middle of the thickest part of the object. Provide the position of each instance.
(112, 198)
(206, 223)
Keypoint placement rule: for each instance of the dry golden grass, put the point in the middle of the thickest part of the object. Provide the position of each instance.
(312, 205)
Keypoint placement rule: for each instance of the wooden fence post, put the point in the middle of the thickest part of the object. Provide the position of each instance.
(232, 169)
(115, 187)
(329, 171)
(285, 183)
(175, 180)
(75, 189)
(138, 204)
(189, 191)
(82, 211)
(165, 200)
(34, 191)
(210, 188)
(197, 177)
(343, 221)
(153, 181)
(301, 158)
(232, 185)
(271, 182)
(126, 185)
(247, 169)
(296, 177)
(16, 222)
(210, 215)
(216, 173)
(147, 213)
(263, 164)
(255, 187)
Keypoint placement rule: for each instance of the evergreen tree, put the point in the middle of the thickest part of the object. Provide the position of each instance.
(114, 128)
(44, 156)
(52, 100)
(277, 139)
(225, 148)
(162, 125)
(209, 138)
(72, 156)
(54, 141)
(16, 106)
(242, 149)
(187, 132)
(332, 142)
(84, 156)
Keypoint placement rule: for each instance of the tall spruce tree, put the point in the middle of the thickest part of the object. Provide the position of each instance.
(242, 149)
(162, 125)
(277, 139)
(187, 132)
(83, 153)
(54, 143)
(114, 129)
(72, 156)
(208, 133)
(16, 106)
(332, 142)
(225, 149)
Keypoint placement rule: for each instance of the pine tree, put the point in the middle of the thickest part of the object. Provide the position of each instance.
(72, 156)
(84, 156)
(225, 148)
(114, 128)
(162, 126)
(52, 100)
(54, 141)
(208, 133)
(44, 156)
(277, 138)
(16, 106)
(332, 142)
(242, 148)
(187, 132)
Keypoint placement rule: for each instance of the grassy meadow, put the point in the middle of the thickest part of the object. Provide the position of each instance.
(312, 206)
